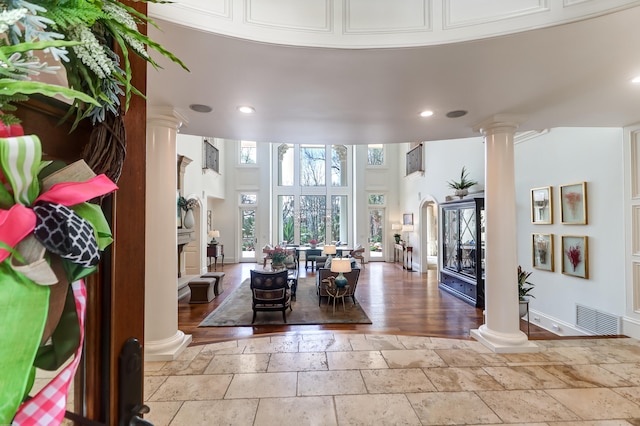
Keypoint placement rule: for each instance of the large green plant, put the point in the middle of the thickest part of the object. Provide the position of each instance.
(524, 286)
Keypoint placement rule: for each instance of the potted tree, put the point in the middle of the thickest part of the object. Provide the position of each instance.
(524, 289)
(462, 186)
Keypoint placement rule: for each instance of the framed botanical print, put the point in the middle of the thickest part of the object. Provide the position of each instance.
(542, 251)
(575, 256)
(541, 206)
(573, 204)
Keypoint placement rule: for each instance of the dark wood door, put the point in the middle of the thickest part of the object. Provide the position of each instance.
(115, 295)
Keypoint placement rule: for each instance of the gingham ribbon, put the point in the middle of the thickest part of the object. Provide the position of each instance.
(48, 406)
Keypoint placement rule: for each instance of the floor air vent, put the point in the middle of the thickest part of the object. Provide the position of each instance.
(597, 322)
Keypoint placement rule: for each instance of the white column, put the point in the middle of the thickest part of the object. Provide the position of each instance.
(501, 333)
(163, 341)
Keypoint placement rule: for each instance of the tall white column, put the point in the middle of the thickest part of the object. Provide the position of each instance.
(501, 333)
(163, 340)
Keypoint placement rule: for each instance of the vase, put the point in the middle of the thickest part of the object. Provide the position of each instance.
(312, 245)
(188, 221)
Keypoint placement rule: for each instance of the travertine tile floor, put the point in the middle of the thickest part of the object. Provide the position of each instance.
(333, 378)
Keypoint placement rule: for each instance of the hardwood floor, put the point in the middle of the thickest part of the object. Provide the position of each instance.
(396, 301)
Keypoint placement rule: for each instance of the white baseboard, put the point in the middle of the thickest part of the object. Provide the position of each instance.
(631, 327)
(554, 325)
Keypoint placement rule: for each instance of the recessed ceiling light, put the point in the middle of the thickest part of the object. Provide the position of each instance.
(426, 113)
(457, 113)
(246, 109)
(636, 80)
(200, 108)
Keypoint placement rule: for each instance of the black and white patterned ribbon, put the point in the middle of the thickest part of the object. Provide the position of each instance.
(66, 234)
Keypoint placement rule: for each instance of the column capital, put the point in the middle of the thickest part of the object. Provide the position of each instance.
(499, 123)
(165, 117)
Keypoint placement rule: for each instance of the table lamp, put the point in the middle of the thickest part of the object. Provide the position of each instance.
(407, 229)
(340, 266)
(329, 249)
(214, 234)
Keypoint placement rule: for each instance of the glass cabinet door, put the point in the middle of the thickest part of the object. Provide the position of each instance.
(450, 238)
(468, 241)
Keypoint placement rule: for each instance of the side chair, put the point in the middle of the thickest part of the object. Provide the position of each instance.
(270, 292)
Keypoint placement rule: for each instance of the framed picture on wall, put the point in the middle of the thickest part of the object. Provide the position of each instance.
(573, 204)
(541, 206)
(575, 256)
(407, 219)
(542, 251)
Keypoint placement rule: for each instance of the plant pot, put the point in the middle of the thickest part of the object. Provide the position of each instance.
(462, 192)
(522, 306)
(313, 245)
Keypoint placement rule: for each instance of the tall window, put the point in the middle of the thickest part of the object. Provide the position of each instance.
(312, 165)
(375, 155)
(248, 152)
(312, 188)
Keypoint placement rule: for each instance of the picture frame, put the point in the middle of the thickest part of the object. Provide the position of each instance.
(575, 256)
(573, 204)
(542, 206)
(542, 251)
(407, 219)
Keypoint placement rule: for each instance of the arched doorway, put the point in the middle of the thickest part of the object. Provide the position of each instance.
(429, 235)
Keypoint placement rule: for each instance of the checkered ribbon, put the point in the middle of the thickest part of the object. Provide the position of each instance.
(48, 406)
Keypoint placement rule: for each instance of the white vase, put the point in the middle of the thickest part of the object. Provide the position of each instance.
(188, 221)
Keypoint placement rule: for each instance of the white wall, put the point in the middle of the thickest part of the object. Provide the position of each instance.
(205, 185)
(443, 161)
(565, 156)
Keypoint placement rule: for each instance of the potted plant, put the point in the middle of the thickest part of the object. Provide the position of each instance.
(397, 237)
(461, 186)
(278, 256)
(524, 289)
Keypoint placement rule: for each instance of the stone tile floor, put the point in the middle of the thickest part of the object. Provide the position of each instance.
(334, 378)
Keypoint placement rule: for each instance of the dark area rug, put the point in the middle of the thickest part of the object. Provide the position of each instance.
(236, 309)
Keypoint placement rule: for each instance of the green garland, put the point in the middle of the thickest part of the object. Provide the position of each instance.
(92, 30)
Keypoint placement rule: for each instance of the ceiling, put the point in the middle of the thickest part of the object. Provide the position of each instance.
(576, 74)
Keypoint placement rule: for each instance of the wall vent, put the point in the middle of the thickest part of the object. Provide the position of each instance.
(597, 322)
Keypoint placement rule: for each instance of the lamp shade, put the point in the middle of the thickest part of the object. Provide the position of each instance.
(329, 249)
(341, 265)
(407, 228)
(396, 226)
(214, 233)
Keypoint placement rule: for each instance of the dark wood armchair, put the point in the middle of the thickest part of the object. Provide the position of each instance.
(270, 292)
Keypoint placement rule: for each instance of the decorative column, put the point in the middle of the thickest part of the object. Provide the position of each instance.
(163, 340)
(501, 333)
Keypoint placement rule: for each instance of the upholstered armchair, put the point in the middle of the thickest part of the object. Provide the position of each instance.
(358, 253)
(324, 273)
(270, 292)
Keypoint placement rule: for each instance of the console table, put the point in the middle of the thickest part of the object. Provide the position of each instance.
(215, 251)
(405, 253)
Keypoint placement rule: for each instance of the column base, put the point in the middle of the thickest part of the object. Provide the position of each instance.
(166, 349)
(503, 342)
